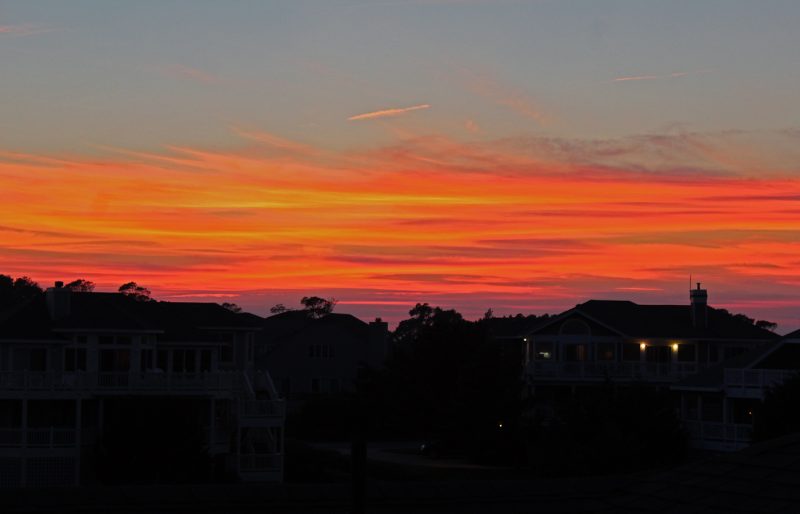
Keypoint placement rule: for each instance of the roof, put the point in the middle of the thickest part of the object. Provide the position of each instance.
(289, 325)
(792, 335)
(116, 312)
(667, 321)
(514, 326)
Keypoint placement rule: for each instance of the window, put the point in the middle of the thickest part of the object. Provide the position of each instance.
(205, 360)
(115, 360)
(105, 339)
(333, 385)
(631, 352)
(320, 351)
(686, 353)
(81, 339)
(226, 353)
(730, 352)
(162, 360)
(38, 360)
(544, 351)
(147, 360)
(606, 352)
(183, 361)
(574, 327)
(286, 386)
(74, 359)
(123, 340)
(576, 352)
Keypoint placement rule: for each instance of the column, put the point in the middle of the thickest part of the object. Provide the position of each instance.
(24, 454)
(78, 439)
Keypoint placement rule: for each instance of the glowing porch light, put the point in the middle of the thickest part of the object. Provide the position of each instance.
(642, 346)
(674, 347)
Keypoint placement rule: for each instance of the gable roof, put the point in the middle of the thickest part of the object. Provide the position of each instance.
(115, 312)
(664, 321)
(290, 325)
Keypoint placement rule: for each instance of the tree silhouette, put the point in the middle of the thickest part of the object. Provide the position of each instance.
(231, 307)
(317, 307)
(15, 291)
(80, 286)
(278, 308)
(135, 291)
(766, 325)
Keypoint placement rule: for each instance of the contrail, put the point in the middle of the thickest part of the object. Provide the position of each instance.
(387, 112)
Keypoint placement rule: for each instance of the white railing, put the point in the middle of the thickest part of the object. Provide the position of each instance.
(262, 408)
(122, 381)
(733, 435)
(37, 437)
(754, 382)
(620, 370)
(260, 462)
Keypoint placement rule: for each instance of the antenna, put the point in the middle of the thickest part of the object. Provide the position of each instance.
(690, 281)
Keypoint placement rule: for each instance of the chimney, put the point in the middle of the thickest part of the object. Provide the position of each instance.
(378, 349)
(58, 301)
(699, 301)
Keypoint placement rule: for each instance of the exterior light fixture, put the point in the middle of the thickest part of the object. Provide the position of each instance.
(524, 339)
(642, 346)
(674, 347)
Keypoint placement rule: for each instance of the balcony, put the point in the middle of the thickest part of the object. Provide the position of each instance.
(121, 381)
(37, 437)
(598, 371)
(261, 466)
(262, 408)
(718, 436)
(753, 383)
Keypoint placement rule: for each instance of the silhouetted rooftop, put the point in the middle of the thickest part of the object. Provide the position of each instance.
(649, 321)
(117, 312)
(287, 325)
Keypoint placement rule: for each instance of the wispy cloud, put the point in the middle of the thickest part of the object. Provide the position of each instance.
(501, 94)
(189, 73)
(388, 112)
(275, 141)
(22, 30)
(676, 74)
(472, 126)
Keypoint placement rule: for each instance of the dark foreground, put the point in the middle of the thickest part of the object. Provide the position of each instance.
(765, 478)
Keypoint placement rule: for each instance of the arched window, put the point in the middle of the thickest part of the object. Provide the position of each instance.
(575, 327)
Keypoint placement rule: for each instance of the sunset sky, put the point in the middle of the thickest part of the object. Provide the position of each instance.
(523, 156)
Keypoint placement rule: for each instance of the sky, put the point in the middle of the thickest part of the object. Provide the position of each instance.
(523, 156)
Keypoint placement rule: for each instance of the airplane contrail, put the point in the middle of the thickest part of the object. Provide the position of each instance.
(387, 112)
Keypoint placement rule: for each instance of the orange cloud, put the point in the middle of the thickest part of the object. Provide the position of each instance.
(387, 112)
(509, 225)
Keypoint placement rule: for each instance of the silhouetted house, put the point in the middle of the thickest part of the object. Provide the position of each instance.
(717, 406)
(308, 355)
(622, 341)
(79, 370)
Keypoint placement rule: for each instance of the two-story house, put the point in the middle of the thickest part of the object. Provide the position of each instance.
(79, 370)
(622, 341)
(719, 405)
(308, 355)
